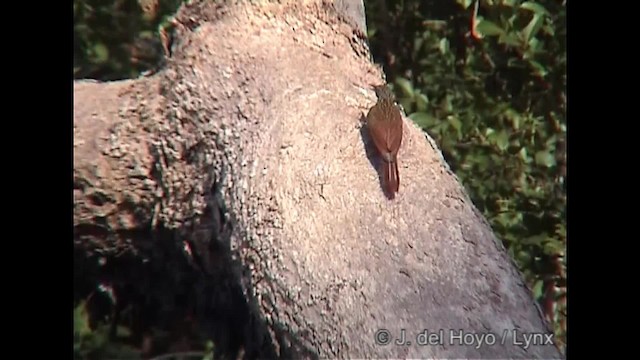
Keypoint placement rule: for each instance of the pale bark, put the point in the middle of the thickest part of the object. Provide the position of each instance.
(251, 138)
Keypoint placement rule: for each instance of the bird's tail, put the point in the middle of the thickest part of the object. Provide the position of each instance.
(392, 177)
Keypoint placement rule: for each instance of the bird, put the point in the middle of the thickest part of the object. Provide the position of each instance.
(384, 122)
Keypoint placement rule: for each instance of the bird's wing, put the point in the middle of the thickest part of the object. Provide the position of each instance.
(394, 135)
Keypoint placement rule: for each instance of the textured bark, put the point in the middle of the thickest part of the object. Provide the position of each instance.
(250, 140)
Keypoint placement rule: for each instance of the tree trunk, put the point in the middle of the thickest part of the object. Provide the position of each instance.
(247, 155)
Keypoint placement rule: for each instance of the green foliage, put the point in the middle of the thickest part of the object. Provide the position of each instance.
(496, 106)
(118, 39)
(208, 350)
(96, 343)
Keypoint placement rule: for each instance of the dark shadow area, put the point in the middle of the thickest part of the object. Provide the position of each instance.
(169, 300)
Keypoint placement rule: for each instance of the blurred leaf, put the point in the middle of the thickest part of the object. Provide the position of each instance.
(534, 45)
(433, 25)
(407, 104)
(530, 31)
(537, 289)
(538, 68)
(99, 337)
(422, 102)
(123, 331)
(147, 34)
(502, 140)
(209, 347)
(549, 30)
(516, 63)
(535, 7)
(515, 119)
(545, 158)
(553, 247)
(510, 39)
(417, 45)
(101, 53)
(444, 46)
(455, 122)
(446, 105)
(81, 320)
(483, 163)
(507, 219)
(523, 257)
(405, 86)
(488, 28)
(465, 3)
(424, 120)
(561, 231)
(504, 204)
(534, 240)
(524, 156)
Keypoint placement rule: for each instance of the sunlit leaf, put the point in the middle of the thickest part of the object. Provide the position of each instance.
(538, 68)
(524, 257)
(488, 28)
(537, 289)
(405, 86)
(422, 102)
(455, 122)
(424, 120)
(465, 3)
(81, 320)
(534, 45)
(209, 347)
(417, 44)
(524, 156)
(101, 53)
(535, 7)
(532, 28)
(406, 104)
(444, 46)
(545, 158)
(515, 121)
(549, 30)
(502, 140)
(446, 105)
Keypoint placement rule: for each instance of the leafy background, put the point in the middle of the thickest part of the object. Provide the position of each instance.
(487, 80)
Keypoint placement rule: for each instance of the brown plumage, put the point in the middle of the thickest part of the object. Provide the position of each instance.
(385, 126)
